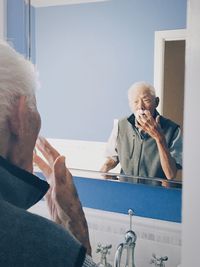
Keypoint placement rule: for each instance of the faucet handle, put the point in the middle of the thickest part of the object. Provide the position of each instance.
(131, 213)
(159, 262)
(104, 250)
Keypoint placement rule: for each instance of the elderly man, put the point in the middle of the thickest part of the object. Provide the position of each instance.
(146, 144)
(27, 239)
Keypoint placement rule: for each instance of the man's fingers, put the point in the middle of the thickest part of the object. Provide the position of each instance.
(50, 153)
(44, 167)
(158, 119)
(63, 176)
(60, 170)
(141, 122)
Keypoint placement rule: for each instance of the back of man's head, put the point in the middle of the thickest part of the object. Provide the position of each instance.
(17, 78)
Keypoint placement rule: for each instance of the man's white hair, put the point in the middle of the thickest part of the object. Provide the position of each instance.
(136, 86)
(17, 78)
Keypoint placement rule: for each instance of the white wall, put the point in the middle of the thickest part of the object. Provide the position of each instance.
(84, 155)
(191, 185)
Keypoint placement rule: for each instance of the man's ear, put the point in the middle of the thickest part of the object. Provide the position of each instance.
(157, 101)
(16, 119)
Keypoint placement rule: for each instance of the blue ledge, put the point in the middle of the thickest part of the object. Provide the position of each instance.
(146, 201)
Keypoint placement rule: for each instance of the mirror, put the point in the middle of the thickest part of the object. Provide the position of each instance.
(88, 55)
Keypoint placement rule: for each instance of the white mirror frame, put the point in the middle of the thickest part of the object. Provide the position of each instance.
(159, 49)
(2, 19)
(45, 3)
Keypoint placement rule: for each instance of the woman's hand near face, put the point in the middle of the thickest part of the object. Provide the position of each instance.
(62, 198)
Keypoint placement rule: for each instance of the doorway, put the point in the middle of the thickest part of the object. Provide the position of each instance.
(173, 81)
(169, 74)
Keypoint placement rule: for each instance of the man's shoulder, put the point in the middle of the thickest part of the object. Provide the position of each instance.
(126, 119)
(126, 126)
(42, 241)
(123, 118)
(27, 221)
(166, 122)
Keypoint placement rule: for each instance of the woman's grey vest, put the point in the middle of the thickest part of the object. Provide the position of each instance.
(138, 154)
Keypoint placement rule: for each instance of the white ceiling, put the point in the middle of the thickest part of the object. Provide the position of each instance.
(45, 3)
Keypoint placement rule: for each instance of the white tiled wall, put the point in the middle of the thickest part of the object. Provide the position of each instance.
(153, 236)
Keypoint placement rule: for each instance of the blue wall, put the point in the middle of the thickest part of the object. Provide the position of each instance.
(88, 55)
(146, 201)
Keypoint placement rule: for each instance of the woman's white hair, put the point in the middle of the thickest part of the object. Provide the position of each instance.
(17, 77)
(136, 86)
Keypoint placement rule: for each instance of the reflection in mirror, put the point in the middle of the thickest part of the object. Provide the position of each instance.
(145, 143)
(88, 55)
(125, 178)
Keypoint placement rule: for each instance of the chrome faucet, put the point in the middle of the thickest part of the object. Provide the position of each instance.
(128, 245)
